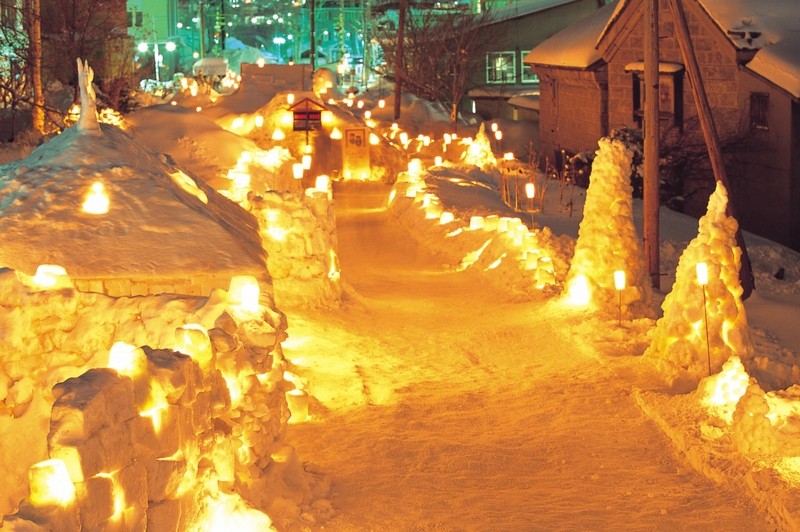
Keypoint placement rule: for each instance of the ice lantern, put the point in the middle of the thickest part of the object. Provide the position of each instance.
(50, 484)
(96, 200)
(244, 293)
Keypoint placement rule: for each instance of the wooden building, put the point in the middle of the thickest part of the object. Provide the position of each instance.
(749, 57)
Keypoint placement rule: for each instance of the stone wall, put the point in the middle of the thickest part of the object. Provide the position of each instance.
(573, 113)
(299, 233)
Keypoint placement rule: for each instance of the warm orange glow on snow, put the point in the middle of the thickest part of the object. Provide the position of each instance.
(237, 123)
(336, 134)
(579, 293)
(723, 390)
(50, 276)
(189, 185)
(781, 409)
(333, 267)
(415, 167)
(50, 484)
(230, 512)
(297, 401)
(234, 388)
(297, 170)
(156, 405)
(259, 121)
(192, 339)
(381, 103)
(125, 359)
(278, 134)
(446, 217)
(244, 293)
(118, 494)
(290, 98)
(306, 162)
(96, 200)
(374, 139)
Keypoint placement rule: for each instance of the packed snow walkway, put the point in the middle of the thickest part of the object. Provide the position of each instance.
(444, 405)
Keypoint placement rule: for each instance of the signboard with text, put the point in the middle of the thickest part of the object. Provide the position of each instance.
(355, 154)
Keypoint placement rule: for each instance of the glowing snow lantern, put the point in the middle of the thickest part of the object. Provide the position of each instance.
(50, 484)
(403, 138)
(579, 293)
(306, 162)
(237, 122)
(297, 170)
(530, 190)
(173, 103)
(374, 139)
(508, 156)
(367, 115)
(244, 293)
(96, 200)
(259, 121)
(260, 62)
(381, 103)
(290, 98)
(124, 358)
(494, 127)
(723, 391)
(619, 285)
(307, 149)
(437, 160)
(51, 276)
(498, 135)
(278, 134)
(198, 108)
(297, 401)
(323, 183)
(336, 134)
(360, 104)
(192, 339)
(446, 217)
(415, 167)
(476, 222)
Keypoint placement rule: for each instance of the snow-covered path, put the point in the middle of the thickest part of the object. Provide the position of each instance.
(439, 403)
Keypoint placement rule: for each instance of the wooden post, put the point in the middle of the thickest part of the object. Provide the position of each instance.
(709, 133)
(651, 141)
(37, 108)
(399, 64)
(312, 28)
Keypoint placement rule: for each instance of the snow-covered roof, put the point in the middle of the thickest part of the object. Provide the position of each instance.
(520, 8)
(161, 223)
(574, 46)
(772, 27)
(525, 102)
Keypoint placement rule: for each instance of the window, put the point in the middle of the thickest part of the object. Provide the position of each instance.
(528, 76)
(670, 97)
(501, 67)
(759, 110)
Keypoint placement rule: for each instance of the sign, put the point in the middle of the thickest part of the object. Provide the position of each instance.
(307, 120)
(355, 154)
(307, 115)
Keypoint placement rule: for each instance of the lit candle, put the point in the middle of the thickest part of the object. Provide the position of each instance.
(702, 273)
(619, 280)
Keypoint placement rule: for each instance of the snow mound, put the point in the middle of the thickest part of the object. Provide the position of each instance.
(607, 240)
(703, 326)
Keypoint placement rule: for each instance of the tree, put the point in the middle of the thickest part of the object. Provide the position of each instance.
(441, 52)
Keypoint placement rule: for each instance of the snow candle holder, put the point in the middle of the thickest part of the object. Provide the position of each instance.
(297, 401)
(50, 484)
(619, 285)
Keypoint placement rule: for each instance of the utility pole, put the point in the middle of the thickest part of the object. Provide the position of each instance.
(312, 25)
(710, 133)
(399, 65)
(651, 141)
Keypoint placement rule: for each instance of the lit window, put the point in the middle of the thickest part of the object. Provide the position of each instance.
(528, 76)
(501, 67)
(759, 110)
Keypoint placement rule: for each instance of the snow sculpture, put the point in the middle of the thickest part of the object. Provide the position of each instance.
(607, 240)
(679, 347)
(88, 121)
(479, 152)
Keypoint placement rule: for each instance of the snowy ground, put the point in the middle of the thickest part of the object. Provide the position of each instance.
(443, 404)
